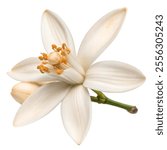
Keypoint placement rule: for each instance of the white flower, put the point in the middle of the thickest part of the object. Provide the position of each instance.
(67, 75)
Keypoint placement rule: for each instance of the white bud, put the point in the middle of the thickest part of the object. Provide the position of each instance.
(23, 90)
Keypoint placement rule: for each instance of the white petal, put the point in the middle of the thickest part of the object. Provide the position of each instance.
(41, 103)
(76, 113)
(113, 76)
(73, 61)
(100, 36)
(55, 31)
(71, 76)
(26, 70)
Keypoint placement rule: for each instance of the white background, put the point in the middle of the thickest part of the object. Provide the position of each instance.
(111, 128)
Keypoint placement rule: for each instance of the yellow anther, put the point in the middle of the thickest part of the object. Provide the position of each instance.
(68, 51)
(45, 56)
(63, 53)
(64, 46)
(54, 47)
(43, 68)
(59, 49)
(59, 71)
(40, 57)
(46, 69)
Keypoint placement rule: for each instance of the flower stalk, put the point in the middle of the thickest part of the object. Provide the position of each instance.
(102, 99)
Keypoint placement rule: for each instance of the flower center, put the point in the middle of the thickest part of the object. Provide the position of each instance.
(55, 61)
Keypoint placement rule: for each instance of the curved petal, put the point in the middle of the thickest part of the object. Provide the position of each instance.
(113, 76)
(41, 103)
(76, 113)
(71, 76)
(55, 31)
(26, 70)
(100, 36)
(73, 61)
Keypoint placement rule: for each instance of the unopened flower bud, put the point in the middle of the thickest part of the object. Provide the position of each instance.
(23, 90)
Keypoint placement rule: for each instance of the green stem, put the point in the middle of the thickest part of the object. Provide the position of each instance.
(102, 99)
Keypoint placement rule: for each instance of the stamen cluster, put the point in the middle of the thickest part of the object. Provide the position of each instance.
(56, 61)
